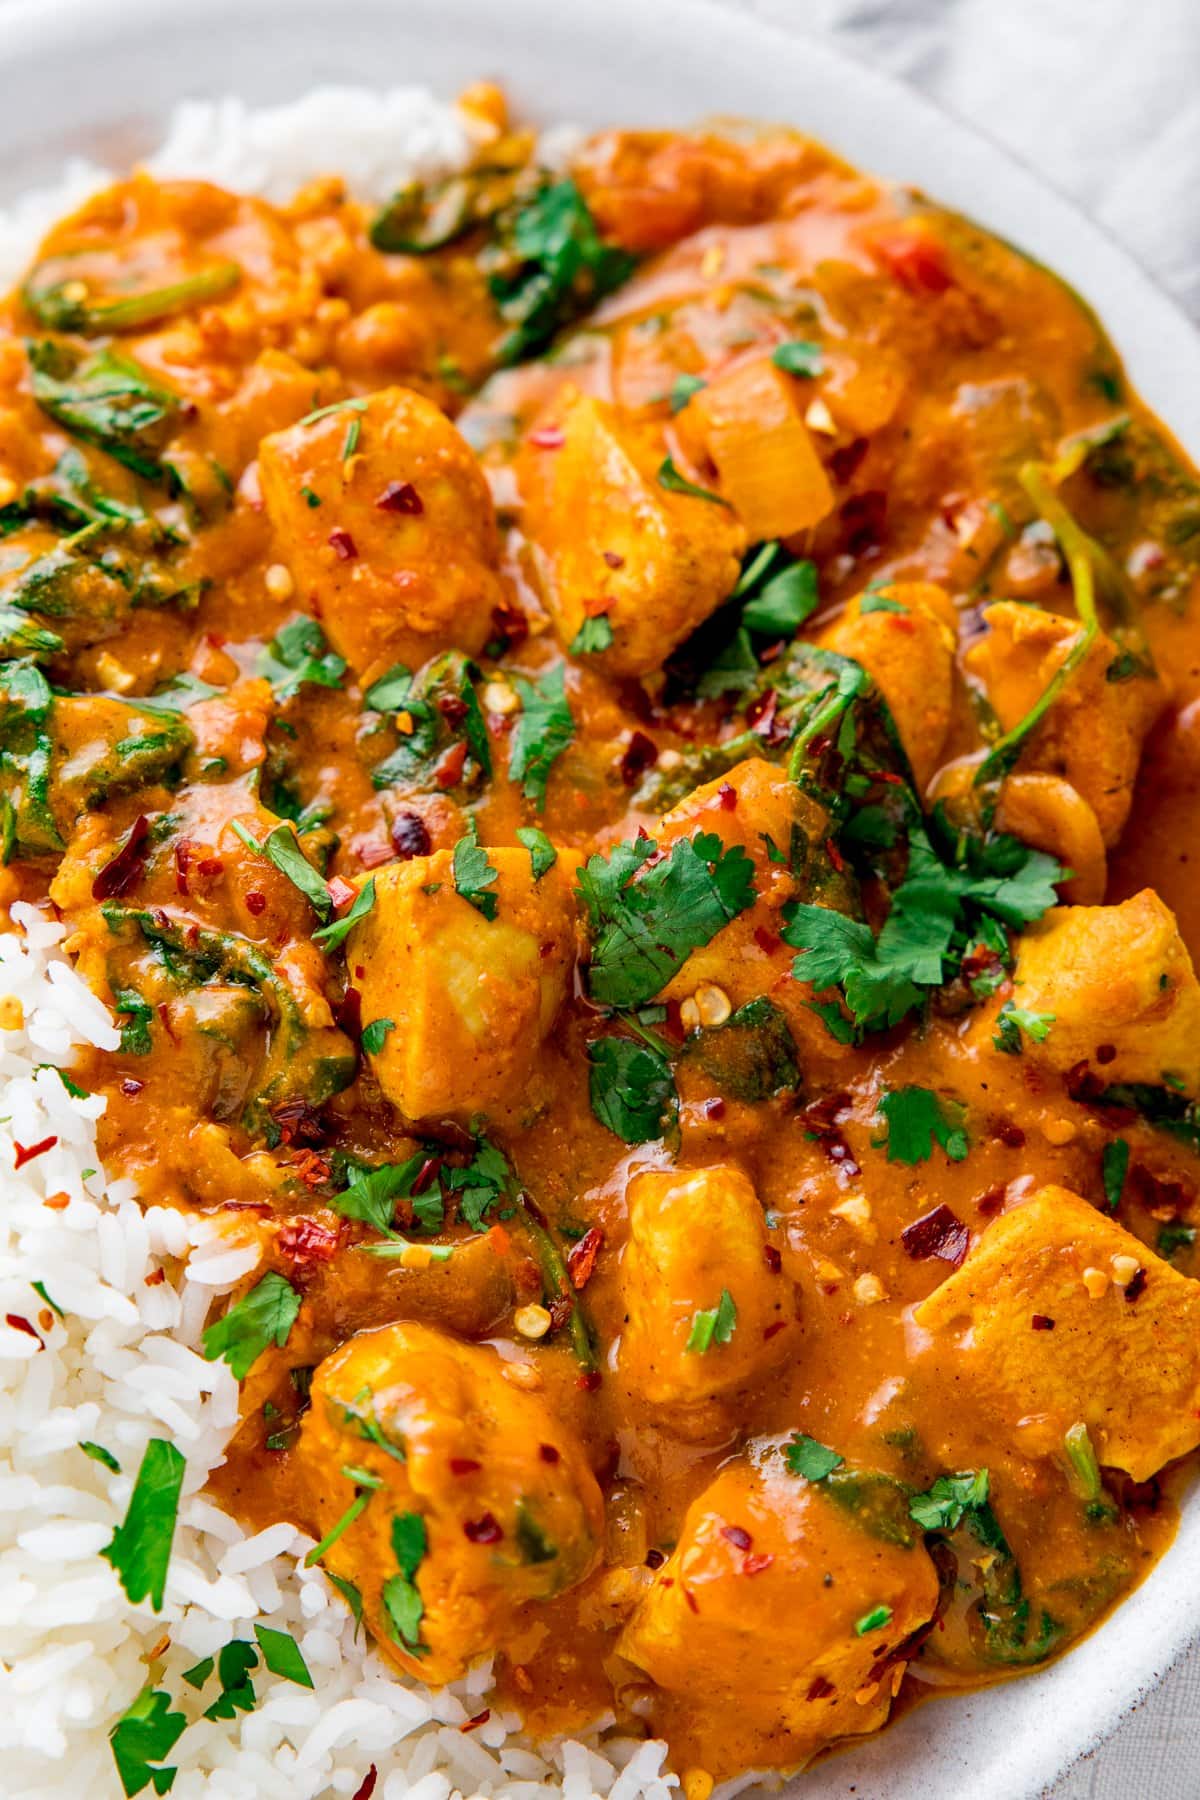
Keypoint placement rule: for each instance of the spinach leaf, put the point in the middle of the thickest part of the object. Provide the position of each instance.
(106, 399)
(547, 265)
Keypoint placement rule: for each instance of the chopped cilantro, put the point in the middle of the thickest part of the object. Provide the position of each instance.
(373, 1196)
(715, 1326)
(1175, 1237)
(199, 1673)
(235, 1662)
(474, 874)
(350, 1594)
(336, 932)
(647, 917)
(875, 1620)
(335, 406)
(401, 1597)
(682, 389)
(783, 603)
(39, 1288)
(593, 636)
(915, 1118)
(631, 1088)
(675, 483)
(141, 1545)
(144, 1735)
(542, 732)
(805, 1456)
(950, 1497)
(1114, 1164)
(1012, 1020)
(134, 1015)
(547, 264)
(374, 1035)
(281, 848)
(875, 602)
(391, 691)
(282, 1655)
(99, 1454)
(542, 853)
(263, 1316)
(532, 1541)
(297, 654)
(799, 357)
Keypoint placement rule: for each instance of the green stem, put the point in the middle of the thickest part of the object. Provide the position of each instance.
(354, 1511)
(557, 1282)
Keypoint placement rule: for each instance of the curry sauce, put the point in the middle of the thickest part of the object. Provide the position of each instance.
(621, 742)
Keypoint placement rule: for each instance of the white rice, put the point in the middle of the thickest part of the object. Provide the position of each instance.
(135, 1287)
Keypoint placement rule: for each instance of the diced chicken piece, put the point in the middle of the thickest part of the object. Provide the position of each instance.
(484, 1493)
(748, 423)
(698, 1246)
(470, 998)
(398, 556)
(905, 636)
(778, 1609)
(1122, 1356)
(1093, 732)
(608, 538)
(1117, 976)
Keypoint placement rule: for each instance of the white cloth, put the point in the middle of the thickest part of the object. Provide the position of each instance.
(1102, 97)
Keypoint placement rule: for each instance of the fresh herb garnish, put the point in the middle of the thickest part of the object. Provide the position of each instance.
(632, 1089)
(670, 478)
(235, 1662)
(142, 1738)
(372, 1197)
(374, 1035)
(99, 1454)
(262, 1317)
(682, 389)
(916, 1118)
(546, 265)
(280, 847)
(949, 1499)
(875, 1620)
(805, 1456)
(1114, 1165)
(336, 932)
(593, 636)
(714, 1326)
(297, 654)
(542, 853)
(108, 400)
(474, 874)
(39, 1288)
(1012, 1020)
(282, 1655)
(541, 734)
(401, 1597)
(799, 357)
(141, 1545)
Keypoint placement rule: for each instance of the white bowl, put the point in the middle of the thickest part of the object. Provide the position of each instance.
(99, 76)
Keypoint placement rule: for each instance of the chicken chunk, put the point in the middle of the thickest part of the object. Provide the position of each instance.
(478, 1499)
(905, 636)
(777, 1609)
(608, 538)
(1093, 732)
(398, 556)
(706, 1317)
(470, 998)
(1124, 1361)
(1117, 976)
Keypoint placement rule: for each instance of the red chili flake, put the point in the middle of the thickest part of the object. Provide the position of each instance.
(19, 1324)
(130, 1087)
(481, 1718)
(305, 1240)
(341, 892)
(548, 1453)
(754, 1565)
(300, 1123)
(767, 941)
(400, 497)
(727, 795)
(425, 1174)
(464, 1465)
(581, 1257)
(22, 1154)
(691, 1600)
(655, 1559)
(938, 1233)
(410, 836)
(509, 624)
(820, 1689)
(991, 1201)
(738, 1536)
(256, 902)
(367, 1785)
(183, 853)
(641, 753)
(210, 866)
(614, 560)
(164, 1013)
(1008, 1133)
(1106, 1053)
(155, 1278)
(452, 709)
(762, 716)
(835, 856)
(485, 1530)
(122, 870)
(845, 459)
(342, 544)
(449, 771)
(774, 1329)
(548, 437)
(349, 1013)
(713, 1109)
(560, 1309)
(1134, 1288)
(1081, 1084)
(589, 1381)
(372, 852)
(772, 1258)
(1042, 1322)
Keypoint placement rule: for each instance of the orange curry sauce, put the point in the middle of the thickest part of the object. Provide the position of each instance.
(627, 1366)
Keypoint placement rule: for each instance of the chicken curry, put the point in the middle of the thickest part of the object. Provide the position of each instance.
(621, 740)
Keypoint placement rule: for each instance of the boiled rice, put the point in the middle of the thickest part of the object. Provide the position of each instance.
(123, 1365)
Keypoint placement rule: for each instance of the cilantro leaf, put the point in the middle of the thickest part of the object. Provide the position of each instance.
(474, 874)
(99, 1454)
(351, 1595)
(338, 930)
(391, 691)
(281, 848)
(682, 389)
(141, 1545)
(107, 399)
(142, 1737)
(372, 1198)
(875, 1620)
(631, 1088)
(282, 1655)
(1012, 1020)
(297, 654)
(670, 478)
(542, 853)
(374, 1035)
(915, 1118)
(838, 951)
(805, 1456)
(401, 1597)
(548, 265)
(199, 1673)
(235, 1663)
(799, 357)
(261, 1317)
(542, 732)
(646, 918)
(593, 636)
(1175, 1237)
(1114, 1164)
(714, 1326)
(783, 603)
(950, 1497)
